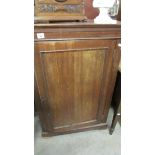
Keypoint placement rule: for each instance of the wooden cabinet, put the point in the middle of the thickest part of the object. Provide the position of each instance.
(75, 70)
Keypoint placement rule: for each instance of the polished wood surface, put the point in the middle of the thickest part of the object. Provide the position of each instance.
(75, 69)
(59, 10)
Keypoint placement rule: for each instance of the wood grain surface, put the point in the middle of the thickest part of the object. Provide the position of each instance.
(75, 77)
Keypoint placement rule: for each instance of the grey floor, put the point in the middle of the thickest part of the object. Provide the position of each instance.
(95, 142)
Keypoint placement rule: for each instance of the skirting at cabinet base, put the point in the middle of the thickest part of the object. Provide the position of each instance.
(73, 130)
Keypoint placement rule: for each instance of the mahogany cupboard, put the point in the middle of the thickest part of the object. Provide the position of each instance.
(75, 71)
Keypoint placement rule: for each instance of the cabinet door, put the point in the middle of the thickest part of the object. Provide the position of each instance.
(74, 81)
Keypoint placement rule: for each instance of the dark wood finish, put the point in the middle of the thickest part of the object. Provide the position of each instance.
(116, 118)
(75, 69)
(37, 101)
(117, 91)
(119, 12)
(116, 102)
(59, 10)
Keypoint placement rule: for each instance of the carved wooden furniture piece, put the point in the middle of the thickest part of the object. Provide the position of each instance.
(75, 69)
(56, 10)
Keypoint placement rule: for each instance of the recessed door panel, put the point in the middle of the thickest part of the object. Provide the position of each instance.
(73, 81)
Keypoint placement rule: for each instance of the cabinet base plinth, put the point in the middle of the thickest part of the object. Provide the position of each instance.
(87, 128)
